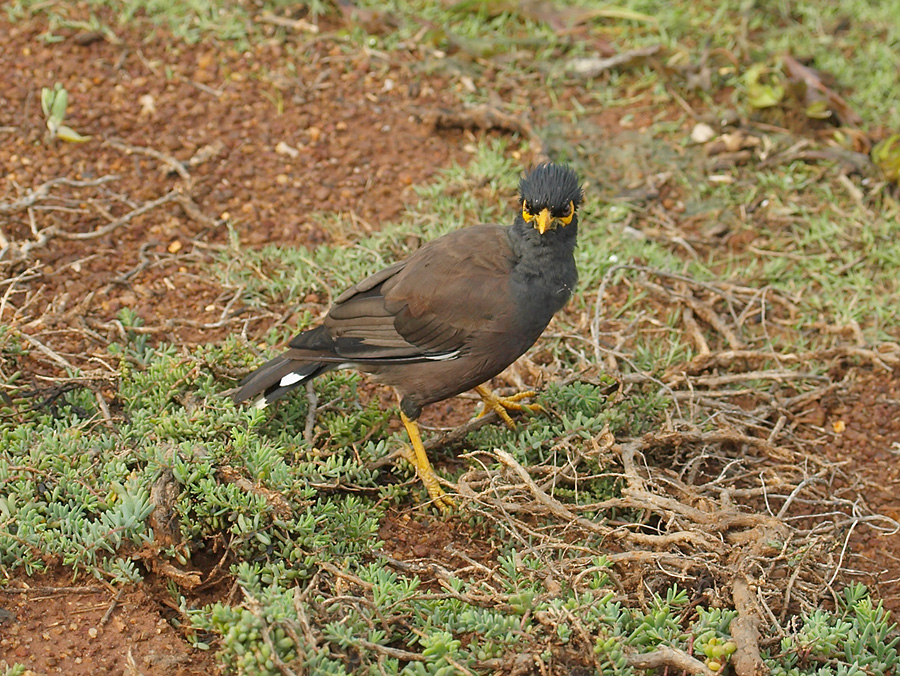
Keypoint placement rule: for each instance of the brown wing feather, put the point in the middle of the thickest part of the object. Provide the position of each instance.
(370, 282)
(452, 289)
(430, 303)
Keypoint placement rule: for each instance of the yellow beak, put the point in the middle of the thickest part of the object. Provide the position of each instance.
(543, 221)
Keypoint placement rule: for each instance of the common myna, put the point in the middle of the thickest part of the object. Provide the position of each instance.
(450, 317)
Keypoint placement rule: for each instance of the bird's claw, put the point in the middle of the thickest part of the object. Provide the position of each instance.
(429, 479)
(502, 405)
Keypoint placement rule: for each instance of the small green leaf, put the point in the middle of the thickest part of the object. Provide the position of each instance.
(818, 110)
(70, 135)
(47, 96)
(60, 103)
(886, 154)
(764, 86)
(616, 12)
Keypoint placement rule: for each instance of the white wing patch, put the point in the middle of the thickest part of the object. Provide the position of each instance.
(444, 356)
(291, 379)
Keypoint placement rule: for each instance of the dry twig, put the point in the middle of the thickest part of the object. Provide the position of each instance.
(592, 66)
(42, 192)
(666, 657)
(746, 660)
(487, 117)
(172, 163)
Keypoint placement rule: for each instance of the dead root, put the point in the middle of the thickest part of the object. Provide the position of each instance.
(666, 657)
(93, 200)
(23, 251)
(885, 356)
(39, 221)
(699, 530)
(745, 632)
(277, 502)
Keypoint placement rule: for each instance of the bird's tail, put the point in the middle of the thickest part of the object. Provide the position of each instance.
(276, 378)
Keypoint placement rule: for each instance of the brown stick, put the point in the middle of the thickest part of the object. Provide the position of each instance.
(744, 629)
(665, 656)
(486, 117)
(49, 591)
(171, 162)
(43, 191)
(885, 358)
(592, 66)
(700, 308)
(554, 506)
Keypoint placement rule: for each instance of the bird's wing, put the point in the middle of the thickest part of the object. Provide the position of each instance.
(422, 308)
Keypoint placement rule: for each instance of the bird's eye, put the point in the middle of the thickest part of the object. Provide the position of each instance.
(526, 214)
(565, 220)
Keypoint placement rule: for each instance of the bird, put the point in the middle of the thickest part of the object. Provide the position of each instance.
(449, 317)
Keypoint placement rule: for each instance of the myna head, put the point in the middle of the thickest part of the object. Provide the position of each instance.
(550, 196)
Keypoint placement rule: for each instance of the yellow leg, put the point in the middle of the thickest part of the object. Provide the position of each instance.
(419, 460)
(502, 405)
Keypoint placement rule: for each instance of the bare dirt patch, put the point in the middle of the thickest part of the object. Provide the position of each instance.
(861, 430)
(56, 626)
(270, 141)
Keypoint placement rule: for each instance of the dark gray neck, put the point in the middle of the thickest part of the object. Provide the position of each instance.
(544, 273)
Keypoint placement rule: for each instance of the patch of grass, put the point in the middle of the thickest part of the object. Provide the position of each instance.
(825, 242)
(856, 41)
(524, 612)
(189, 21)
(813, 242)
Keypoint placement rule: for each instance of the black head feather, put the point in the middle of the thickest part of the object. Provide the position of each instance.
(551, 186)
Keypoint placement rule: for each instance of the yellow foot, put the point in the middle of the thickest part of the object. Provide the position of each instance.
(418, 459)
(502, 405)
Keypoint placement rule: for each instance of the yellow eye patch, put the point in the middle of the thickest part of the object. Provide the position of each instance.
(528, 216)
(565, 220)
